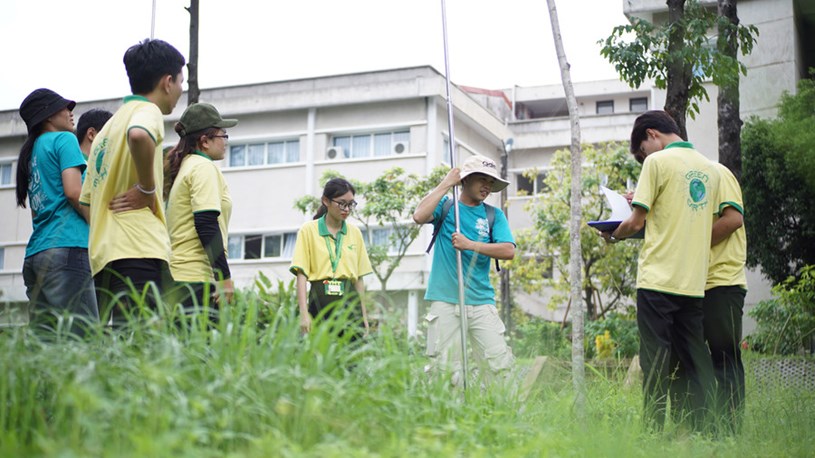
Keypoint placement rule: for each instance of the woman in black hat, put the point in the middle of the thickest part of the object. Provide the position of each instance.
(199, 207)
(56, 270)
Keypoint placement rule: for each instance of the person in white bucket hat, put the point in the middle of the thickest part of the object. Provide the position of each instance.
(483, 237)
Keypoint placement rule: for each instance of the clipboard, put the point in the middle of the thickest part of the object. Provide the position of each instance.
(620, 211)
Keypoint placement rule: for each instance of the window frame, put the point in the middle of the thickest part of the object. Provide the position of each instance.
(262, 250)
(346, 141)
(12, 169)
(637, 99)
(604, 103)
(291, 150)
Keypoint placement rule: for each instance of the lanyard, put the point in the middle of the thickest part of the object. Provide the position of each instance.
(336, 254)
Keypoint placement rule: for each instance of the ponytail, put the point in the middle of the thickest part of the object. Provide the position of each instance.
(24, 164)
(321, 211)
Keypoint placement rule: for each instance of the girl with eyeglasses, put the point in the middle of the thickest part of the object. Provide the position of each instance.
(330, 260)
(198, 209)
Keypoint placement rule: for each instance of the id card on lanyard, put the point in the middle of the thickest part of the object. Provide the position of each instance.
(334, 287)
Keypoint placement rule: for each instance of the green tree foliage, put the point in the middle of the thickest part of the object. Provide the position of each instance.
(609, 271)
(388, 201)
(777, 181)
(642, 50)
(786, 324)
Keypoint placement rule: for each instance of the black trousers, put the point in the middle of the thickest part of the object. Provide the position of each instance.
(349, 301)
(122, 279)
(724, 307)
(674, 358)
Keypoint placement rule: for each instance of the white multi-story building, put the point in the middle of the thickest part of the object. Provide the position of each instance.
(290, 132)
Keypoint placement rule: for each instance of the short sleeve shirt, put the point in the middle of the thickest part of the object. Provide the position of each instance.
(56, 224)
(111, 171)
(312, 257)
(727, 258)
(678, 187)
(199, 186)
(443, 282)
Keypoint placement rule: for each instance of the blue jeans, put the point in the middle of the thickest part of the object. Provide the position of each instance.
(58, 281)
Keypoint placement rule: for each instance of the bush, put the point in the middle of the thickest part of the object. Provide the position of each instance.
(623, 331)
(536, 337)
(786, 325)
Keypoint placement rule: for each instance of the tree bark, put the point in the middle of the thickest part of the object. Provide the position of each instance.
(192, 66)
(679, 72)
(728, 99)
(575, 256)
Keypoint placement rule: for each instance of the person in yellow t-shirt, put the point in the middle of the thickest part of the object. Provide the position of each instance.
(724, 299)
(676, 192)
(128, 242)
(199, 207)
(330, 256)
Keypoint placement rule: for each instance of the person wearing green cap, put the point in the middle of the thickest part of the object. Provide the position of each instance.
(199, 207)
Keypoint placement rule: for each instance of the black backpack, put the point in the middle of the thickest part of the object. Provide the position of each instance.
(445, 209)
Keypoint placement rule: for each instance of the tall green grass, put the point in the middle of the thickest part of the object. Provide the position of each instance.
(251, 385)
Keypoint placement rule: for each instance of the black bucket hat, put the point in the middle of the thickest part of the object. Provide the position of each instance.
(41, 105)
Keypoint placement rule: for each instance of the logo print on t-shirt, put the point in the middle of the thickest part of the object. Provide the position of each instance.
(482, 226)
(697, 190)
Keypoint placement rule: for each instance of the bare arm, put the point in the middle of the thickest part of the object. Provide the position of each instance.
(502, 250)
(72, 187)
(730, 221)
(424, 211)
(629, 227)
(142, 150)
(302, 302)
(360, 287)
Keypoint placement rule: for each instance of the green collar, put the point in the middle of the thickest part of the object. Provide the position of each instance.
(201, 154)
(680, 145)
(131, 98)
(323, 228)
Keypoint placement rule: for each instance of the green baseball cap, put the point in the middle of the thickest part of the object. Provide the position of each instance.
(202, 116)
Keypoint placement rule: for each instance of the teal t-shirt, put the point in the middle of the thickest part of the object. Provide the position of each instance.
(443, 282)
(56, 223)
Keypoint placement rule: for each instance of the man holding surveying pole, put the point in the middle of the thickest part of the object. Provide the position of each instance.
(483, 234)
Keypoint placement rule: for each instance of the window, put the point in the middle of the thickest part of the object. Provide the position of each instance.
(528, 187)
(381, 237)
(262, 246)
(259, 154)
(2, 258)
(638, 104)
(605, 107)
(5, 174)
(372, 145)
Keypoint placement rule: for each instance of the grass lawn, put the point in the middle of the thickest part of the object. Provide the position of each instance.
(250, 389)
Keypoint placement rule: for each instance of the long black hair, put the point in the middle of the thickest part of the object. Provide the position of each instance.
(335, 187)
(186, 145)
(24, 163)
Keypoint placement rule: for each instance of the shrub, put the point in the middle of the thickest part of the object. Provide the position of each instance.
(537, 337)
(623, 331)
(786, 325)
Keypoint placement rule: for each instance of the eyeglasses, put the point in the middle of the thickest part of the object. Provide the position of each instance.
(346, 205)
(224, 136)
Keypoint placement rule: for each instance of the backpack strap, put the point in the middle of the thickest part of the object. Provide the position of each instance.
(445, 209)
(490, 221)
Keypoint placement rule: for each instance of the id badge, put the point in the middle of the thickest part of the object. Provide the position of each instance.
(333, 288)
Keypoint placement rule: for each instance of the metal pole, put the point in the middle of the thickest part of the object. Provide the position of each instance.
(453, 162)
(153, 22)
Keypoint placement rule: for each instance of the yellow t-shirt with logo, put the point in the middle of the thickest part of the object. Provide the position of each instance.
(311, 256)
(111, 171)
(727, 258)
(678, 188)
(199, 186)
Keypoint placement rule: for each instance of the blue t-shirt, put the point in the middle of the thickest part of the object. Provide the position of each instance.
(56, 223)
(443, 282)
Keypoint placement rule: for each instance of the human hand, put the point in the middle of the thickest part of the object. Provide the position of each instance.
(461, 242)
(629, 196)
(132, 199)
(453, 178)
(305, 323)
(227, 292)
(608, 237)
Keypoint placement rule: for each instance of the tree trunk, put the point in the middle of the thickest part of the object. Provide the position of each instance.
(506, 295)
(192, 66)
(728, 99)
(679, 73)
(575, 257)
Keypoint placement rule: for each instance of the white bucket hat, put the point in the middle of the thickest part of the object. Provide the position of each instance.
(486, 166)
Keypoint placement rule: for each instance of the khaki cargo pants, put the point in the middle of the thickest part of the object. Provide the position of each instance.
(485, 332)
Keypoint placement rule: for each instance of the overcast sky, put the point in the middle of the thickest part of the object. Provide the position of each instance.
(76, 47)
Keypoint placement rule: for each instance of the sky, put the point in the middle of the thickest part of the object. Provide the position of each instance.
(76, 47)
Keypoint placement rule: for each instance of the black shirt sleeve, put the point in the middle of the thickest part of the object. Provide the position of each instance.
(206, 225)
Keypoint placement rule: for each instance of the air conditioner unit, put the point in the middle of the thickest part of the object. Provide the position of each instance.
(334, 152)
(401, 147)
